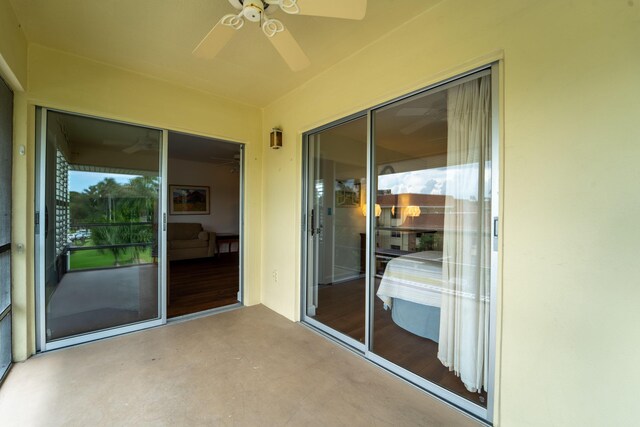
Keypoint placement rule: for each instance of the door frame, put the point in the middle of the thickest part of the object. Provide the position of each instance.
(307, 273)
(6, 314)
(446, 396)
(241, 232)
(39, 253)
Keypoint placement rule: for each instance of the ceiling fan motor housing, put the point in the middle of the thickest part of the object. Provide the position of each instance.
(253, 10)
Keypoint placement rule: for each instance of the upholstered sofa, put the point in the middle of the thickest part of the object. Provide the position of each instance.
(189, 240)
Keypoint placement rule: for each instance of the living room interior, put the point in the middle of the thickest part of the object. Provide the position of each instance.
(203, 235)
(324, 331)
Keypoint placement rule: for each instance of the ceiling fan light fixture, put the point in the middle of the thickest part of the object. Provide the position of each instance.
(271, 27)
(234, 21)
(289, 6)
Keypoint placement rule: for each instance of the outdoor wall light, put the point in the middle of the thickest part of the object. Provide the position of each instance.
(276, 138)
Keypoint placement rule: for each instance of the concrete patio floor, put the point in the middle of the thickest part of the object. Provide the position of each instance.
(243, 367)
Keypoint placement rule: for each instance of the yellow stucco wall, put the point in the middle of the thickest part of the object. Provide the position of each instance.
(13, 70)
(13, 49)
(67, 82)
(569, 282)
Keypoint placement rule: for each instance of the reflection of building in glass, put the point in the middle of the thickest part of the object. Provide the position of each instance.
(415, 222)
(411, 222)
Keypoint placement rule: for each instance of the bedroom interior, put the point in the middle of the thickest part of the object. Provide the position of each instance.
(203, 224)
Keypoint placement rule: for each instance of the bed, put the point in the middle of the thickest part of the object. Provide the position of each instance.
(411, 288)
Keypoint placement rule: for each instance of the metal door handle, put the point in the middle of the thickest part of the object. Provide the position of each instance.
(46, 221)
(313, 222)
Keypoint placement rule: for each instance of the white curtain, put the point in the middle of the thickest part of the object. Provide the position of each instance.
(464, 317)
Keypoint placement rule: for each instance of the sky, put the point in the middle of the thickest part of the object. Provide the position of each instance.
(458, 181)
(80, 181)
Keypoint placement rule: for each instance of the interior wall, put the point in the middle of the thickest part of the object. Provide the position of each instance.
(348, 224)
(73, 83)
(224, 191)
(567, 298)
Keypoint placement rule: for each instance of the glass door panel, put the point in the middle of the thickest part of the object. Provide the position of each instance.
(101, 218)
(336, 224)
(431, 260)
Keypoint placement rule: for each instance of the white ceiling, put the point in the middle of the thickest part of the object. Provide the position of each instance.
(156, 37)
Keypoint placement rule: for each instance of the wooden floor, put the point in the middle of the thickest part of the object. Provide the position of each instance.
(203, 284)
(342, 307)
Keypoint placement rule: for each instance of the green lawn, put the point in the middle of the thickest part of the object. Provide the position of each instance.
(99, 259)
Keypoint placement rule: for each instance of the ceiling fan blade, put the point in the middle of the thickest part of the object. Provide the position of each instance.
(133, 149)
(416, 126)
(347, 9)
(113, 142)
(290, 50)
(412, 112)
(213, 42)
(222, 160)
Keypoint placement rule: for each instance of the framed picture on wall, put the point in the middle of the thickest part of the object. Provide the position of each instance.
(188, 200)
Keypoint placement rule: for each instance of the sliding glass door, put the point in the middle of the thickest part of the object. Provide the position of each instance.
(432, 262)
(100, 228)
(337, 167)
(428, 226)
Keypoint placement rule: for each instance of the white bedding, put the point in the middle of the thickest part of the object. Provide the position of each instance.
(415, 277)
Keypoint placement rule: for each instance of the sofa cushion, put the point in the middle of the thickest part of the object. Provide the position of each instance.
(203, 235)
(183, 231)
(188, 244)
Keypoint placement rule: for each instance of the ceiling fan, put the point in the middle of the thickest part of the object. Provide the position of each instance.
(259, 11)
(141, 144)
(428, 115)
(222, 161)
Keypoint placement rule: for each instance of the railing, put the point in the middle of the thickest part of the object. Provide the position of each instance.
(107, 224)
(71, 248)
(119, 245)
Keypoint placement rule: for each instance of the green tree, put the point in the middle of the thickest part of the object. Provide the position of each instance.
(126, 205)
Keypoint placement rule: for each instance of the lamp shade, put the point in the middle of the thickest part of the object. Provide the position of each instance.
(378, 209)
(412, 211)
